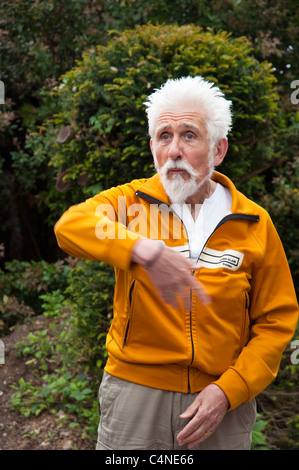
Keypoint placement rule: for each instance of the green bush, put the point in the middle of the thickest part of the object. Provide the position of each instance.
(90, 293)
(22, 285)
(258, 437)
(67, 356)
(39, 40)
(99, 137)
(82, 290)
(283, 204)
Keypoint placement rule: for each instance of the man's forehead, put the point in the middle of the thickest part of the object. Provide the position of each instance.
(184, 118)
(179, 115)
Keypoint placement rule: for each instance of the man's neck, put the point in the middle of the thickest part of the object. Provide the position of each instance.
(196, 201)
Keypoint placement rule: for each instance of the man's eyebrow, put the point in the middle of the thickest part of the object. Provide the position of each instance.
(163, 128)
(184, 125)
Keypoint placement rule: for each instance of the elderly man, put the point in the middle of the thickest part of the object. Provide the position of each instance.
(204, 303)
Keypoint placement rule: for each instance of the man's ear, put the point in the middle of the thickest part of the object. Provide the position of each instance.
(220, 150)
(152, 146)
(153, 154)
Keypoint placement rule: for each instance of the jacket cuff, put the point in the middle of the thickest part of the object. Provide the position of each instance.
(122, 252)
(234, 387)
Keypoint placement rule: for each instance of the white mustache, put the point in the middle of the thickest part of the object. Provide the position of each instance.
(181, 165)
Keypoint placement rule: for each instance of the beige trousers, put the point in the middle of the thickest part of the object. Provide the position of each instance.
(143, 418)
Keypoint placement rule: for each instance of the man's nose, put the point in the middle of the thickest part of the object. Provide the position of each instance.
(175, 151)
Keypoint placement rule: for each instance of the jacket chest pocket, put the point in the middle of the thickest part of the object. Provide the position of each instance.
(130, 308)
(245, 323)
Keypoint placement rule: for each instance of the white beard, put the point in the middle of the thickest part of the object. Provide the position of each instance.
(178, 189)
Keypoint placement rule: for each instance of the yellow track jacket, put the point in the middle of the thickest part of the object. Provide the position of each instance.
(237, 340)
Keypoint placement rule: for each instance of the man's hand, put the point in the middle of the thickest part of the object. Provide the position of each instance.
(207, 411)
(169, 271)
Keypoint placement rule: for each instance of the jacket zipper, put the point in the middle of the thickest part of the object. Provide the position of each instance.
(157, 201)
(252, 218)
(130, 305)
(191, 334)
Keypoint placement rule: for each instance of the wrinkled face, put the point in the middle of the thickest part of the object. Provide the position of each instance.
(182, 153)
(182, 137)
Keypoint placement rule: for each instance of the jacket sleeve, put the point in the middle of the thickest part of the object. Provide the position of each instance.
(273, 317)
(94, 230)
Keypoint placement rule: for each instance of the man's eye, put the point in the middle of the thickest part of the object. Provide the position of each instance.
(189, 136)
(164, 137)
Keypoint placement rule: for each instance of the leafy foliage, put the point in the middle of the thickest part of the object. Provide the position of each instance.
(39, 41)
(283, 204)
(22, 285)
(90, 293)
(258, 437)
(67, 357)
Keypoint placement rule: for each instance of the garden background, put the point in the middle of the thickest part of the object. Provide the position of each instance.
(73, 123)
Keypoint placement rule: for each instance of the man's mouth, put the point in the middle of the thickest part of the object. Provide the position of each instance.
(176, 171)
(172, 172)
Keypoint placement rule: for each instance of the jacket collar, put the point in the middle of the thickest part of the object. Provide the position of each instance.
(153, 191)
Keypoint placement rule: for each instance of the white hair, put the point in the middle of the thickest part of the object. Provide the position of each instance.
(192, 93)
